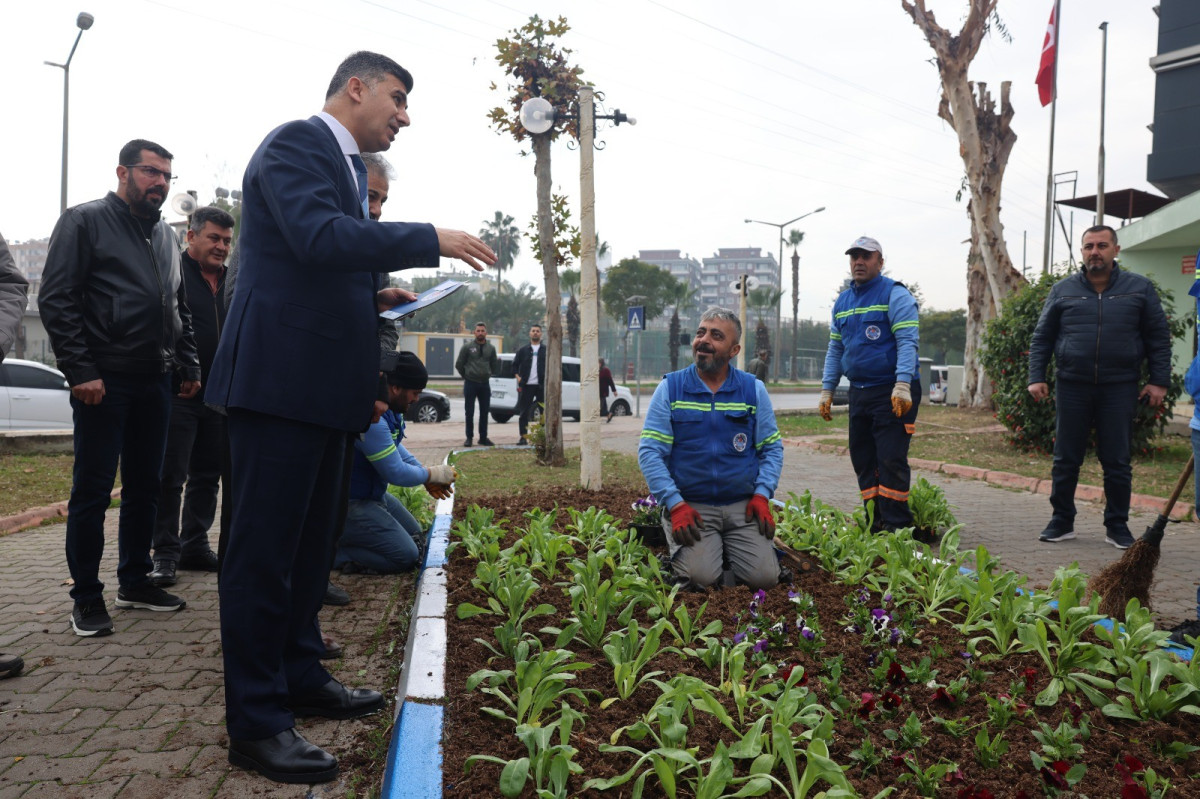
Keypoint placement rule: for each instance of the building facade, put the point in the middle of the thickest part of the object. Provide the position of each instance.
(728, 264)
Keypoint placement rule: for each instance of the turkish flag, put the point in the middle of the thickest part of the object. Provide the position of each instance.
(1045, 74)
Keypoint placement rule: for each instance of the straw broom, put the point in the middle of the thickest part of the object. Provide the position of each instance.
(1133, 574)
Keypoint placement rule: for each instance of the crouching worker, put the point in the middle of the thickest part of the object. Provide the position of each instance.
(381, 535)
(711, 454)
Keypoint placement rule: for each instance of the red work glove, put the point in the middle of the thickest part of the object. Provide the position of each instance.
(759, 510)
(685, 524)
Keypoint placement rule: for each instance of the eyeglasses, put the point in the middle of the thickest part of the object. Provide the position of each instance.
(151, 172)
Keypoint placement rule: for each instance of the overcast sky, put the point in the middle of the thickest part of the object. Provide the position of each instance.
(762, 109)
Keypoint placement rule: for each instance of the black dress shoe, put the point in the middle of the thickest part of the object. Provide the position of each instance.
(335, 701)
(335, 596)
(204, 562)
(163, 575)
(285, 757)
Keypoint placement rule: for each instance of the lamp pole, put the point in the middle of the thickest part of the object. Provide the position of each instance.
(779, 283)
(83, 22)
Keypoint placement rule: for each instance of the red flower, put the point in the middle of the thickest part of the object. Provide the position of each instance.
(1076, 711)
(868, 706)
(895, 675)
(891, 701)
(1022, 794)
(955, 777)
(901, 761)
(1131, 790)
(1029, 675)
(1133, 764)
(971, 792)
(786, 672)
(941, 695)
(1054, 774)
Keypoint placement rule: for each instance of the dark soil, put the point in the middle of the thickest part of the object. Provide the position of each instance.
(468, 731)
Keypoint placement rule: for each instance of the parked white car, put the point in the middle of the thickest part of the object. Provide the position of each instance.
(33, 397)
(504, 391)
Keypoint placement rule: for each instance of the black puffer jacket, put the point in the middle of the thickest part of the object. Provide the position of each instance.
(111, 300)
(1102, 338)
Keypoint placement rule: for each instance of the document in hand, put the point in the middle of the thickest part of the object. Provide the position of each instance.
(424, 299)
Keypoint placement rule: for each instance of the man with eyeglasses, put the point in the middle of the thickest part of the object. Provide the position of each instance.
(113, 304)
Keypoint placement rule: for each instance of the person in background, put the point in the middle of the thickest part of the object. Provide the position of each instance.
(873, 340)
(476, 363)
(115, 309)
(529, 367)
(758, 365)
(1100, 324)
(13, 297)
(196, 436)
(607, 386)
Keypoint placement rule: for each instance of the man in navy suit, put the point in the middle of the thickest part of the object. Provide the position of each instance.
(297, 369)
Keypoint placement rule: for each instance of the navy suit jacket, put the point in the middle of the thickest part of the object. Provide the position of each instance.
(300, 337)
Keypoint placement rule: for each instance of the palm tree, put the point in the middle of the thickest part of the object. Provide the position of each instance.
(794, 238)
(570, 282)
(505, 240)
(683, 295)
(763, 301)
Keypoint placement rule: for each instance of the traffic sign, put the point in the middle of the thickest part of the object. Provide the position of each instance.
(636, 317)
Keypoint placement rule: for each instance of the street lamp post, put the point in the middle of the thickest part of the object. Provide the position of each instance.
(779, 283)
(83, 22)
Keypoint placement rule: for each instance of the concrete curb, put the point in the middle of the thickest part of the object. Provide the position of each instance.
(35, 516)
(1034, 485)
(414, 760)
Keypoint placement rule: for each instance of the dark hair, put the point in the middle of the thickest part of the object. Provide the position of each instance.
(131, 153)
(210, 213)
(368, 67)
(1099, 228)
(481, 324)
(378, 165)
(602, 363)
(537, 325)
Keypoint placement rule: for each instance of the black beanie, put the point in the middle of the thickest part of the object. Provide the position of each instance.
(404, 370)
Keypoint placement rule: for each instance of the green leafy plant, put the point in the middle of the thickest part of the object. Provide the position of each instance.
(989, 751)
(867, 756)
(532, 686)
(1063, 742)
(929, 506)
(548, 764)
(628, 652)
(1146, 696)
(927, 781)
(910, 735)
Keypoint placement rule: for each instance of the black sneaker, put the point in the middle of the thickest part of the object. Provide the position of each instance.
(148, 597)
(205, 561)
(486, 442)
(91, 619)
(10, 666)
(1053, 534)
(1188, 629)
(1120, 537)
(468, 443)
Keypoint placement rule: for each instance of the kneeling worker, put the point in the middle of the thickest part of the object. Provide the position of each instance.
(711, 454)
(381, 535)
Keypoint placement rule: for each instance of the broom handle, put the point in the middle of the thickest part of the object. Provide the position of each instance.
(1183, 478)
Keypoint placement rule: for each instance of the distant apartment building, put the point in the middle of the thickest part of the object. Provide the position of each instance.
(721, 270)
(1173, 165)
(31, 260)
(683, 268)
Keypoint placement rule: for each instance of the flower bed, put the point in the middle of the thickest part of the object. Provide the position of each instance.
(573, 667)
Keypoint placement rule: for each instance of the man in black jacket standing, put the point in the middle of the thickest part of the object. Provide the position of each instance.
(1100, 324)
(196, 435)
(529, 367)
(114, 307)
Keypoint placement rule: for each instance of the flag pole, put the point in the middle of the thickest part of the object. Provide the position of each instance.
(1103, 80)
(1048, 238)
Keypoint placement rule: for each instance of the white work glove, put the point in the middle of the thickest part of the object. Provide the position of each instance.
(825, 406)
(442, 474)
(901, 399)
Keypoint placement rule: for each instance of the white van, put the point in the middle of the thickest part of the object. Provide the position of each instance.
(504, 391)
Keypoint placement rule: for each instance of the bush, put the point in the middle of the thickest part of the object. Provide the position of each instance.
(1005, 358)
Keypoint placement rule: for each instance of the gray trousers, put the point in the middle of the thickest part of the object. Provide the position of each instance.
(726, 536)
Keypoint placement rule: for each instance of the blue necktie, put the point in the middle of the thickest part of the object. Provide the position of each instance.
(360, 173)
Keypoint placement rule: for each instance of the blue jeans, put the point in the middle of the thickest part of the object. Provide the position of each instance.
(1196, 473)
(130, 426)
(380, 534)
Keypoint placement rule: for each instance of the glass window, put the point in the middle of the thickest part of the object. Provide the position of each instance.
(506, 369)
(570, 372)
(20, 376)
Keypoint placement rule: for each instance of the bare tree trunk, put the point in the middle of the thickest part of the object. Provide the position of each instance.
(552, 452)
(985, 140)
